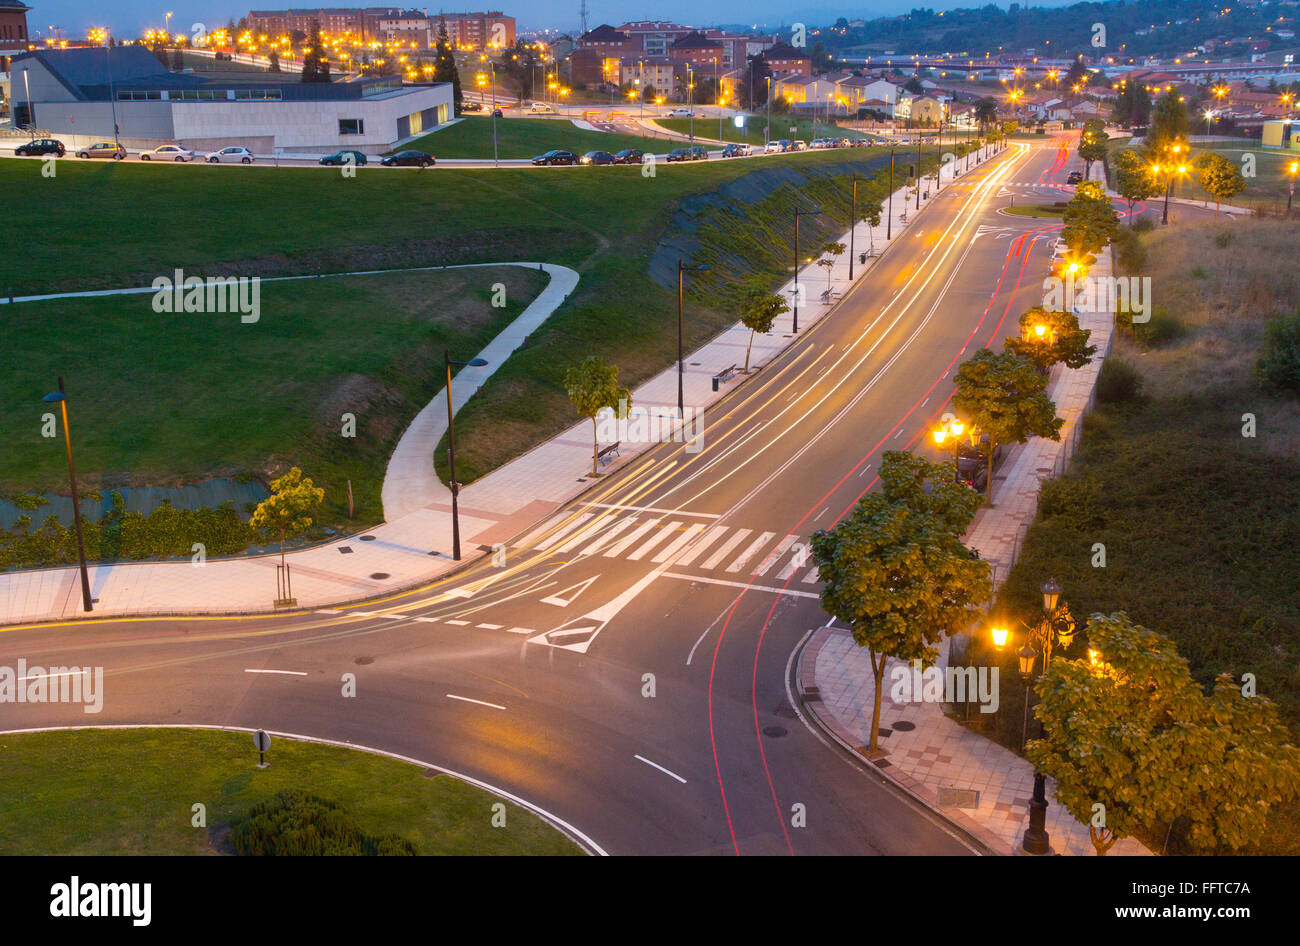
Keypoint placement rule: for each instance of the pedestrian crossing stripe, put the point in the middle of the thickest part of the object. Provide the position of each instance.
(675, 542)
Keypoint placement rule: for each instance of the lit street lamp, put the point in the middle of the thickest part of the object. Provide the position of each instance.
(797, 214)
(58, 397)
(451, 449)
(682, 268)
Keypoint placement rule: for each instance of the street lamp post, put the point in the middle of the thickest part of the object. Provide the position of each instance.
(767, 132)
(889, 214)
(493, 71)
(1055, 627)
(1291, 170)
(58, 397)
(948, 436)
(853, 224)
(797, 214)
(682, 268)
(451, 449)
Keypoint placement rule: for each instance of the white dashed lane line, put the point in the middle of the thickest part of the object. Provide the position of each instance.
(466, 699)
(655, 765)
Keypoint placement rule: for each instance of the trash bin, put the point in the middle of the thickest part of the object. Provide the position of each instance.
(715, 382)
(862, 258)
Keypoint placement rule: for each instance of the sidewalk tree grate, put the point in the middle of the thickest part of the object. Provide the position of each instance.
(345, 550)
(904, 726)
(776, 732)
(380, 576)
(959, 798)
(884, 733)
(362, 661)
(785, 712)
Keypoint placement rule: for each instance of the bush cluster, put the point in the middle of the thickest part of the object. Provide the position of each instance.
(297, 824)
(1278, 367)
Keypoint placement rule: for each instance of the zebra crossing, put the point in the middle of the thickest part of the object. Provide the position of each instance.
(679, 542)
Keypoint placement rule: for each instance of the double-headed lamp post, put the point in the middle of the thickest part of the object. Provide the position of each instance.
(58, 397)
(683, 268)
(451, 449)
(1169, 170)
(1055, 627)
(947, 436)
(797, 214)
(1291, 170)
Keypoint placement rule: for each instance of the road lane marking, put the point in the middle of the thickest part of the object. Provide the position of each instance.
(459, 623)
(619, 547)
(560, 533)
(741, 584)
(716, 558)
(671, 512)
(287, 673)
(426, 620)
(654, 540)
(329, 611)
(466, 699)
(490, 627)
(751, 551)
(656, 765)
(675, 546)
(775, 555)
(520, 630)
(608, 535)
(694, 552)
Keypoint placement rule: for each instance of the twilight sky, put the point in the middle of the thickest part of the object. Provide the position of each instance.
(131, 17)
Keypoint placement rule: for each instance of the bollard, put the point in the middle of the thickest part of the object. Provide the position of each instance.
(715, 382)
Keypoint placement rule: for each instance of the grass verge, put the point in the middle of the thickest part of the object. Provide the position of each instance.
(471, 137)
(114, 792)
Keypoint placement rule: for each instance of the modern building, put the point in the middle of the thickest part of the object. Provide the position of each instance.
(82, 95)
(13, 40)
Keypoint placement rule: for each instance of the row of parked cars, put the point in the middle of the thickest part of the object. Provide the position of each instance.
(114, 151)
(562, 157)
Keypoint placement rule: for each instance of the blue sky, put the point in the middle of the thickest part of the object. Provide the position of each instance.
(131, 17)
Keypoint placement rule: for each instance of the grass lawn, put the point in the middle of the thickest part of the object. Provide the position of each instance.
(1198, 521)
(752, 133)
(1035, 210)
(101, 792)
(1267, 189)
(471, 137)
(159, 399)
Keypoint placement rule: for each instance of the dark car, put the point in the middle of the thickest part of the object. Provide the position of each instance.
(339, 158)
(734, 151)
(597, 157)
(973, 464)
(496, 113)
(1076, 177)
(679, 154)
(42, 146)
(408, 159)
(471, 107)
(699, 153)
(556, 157)
(629, 156)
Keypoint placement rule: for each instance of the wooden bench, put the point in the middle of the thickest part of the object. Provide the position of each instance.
(606, 455)
(723, 376)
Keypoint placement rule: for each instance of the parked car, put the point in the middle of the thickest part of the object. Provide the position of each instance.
(541, 108)
(973, 464)
(235, 154)
(818, 143)
(679, 154)
(1075, 177)
(42, 146)
(408, 159)
(629, 156)
(786, 144)
(103, 149)
(699, 153)
(680, 113)
(167, 153)
(774, 147)
(471, 107)
(596, 157)
(346, 156)
(557, 156)
(496, 113)
(736, 151)
(798, 146)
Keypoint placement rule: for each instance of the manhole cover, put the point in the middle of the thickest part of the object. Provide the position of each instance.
(367, 538)
(379, 576)
(904, 726)
(776, 732)
(959, 798)
(785, 712)
(362, 661)
(345, 550)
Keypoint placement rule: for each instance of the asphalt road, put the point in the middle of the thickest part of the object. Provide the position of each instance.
(535, 676)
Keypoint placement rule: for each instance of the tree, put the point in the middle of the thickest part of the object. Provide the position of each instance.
(178, 61)
(593, 386)
(444, 64)
(1077, 73)
(895, 569)
(274, 59)
(753, 88)
(831, 250)
(160, 52)
(287, 512)
(649, 94)
(315, 63)
(913, 85)
(1132, 105)
(1133, 179)
(1132, 741)
(1092, 143)
(1090, 220)
(1004, 396)
(986, 111)
(1169, 123)
(870, 212)
(1219, 177)
(758, 308)
(1061, 341)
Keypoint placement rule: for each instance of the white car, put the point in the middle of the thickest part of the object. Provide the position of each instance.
(167, 153)
(681, 113)
(774, 147)
(541, 108)
(232, 155)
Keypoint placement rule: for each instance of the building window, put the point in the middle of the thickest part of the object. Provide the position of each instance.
(351, 126)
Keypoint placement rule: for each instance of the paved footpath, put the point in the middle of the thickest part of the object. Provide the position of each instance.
(929, 754)
(413, 546)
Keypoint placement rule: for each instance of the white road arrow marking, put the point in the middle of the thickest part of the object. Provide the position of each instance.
(562, 599)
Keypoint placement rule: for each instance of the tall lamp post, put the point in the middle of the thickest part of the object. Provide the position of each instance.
(451, 449)
(1291, 170)
(947, 436)
(492, 70)
(1169, 170)
(683, 268)
(1055, 627)
(889, 214)
(58, 397)
(797, 214)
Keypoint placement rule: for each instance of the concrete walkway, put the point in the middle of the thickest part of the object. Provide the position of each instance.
(413, 547)
(957, 771)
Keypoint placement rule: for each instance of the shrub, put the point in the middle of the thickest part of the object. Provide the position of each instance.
(1118, 382)
(1143, 225)
(1198, 272)
(1130, 253)
(295, 823)
(1161, 329)
(1075, 500)
(1223, 238)
(1278, 367)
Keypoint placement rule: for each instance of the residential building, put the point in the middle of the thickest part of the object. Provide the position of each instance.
(657, 72)
(784, 60)
(464, 30)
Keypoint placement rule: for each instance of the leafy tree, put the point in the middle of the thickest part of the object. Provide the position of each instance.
(1132, 105)
(1092, 144)
(1169, 123)
(178, 61)
(315, 62)
(895, 569)
(287, 512)
(1077, 73)
(1134, 734)
(1090, 220)
(1062, 339)
(758, 308)
(1278, 367)
(160, 53)
(1004, 396)
(753, 88)
(593, 386)
(444, 64)
(1219, 177)
(831, 250)
(1133, 179)
(870, 211)
(986, 111)
(274, 59)
(913, 85)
